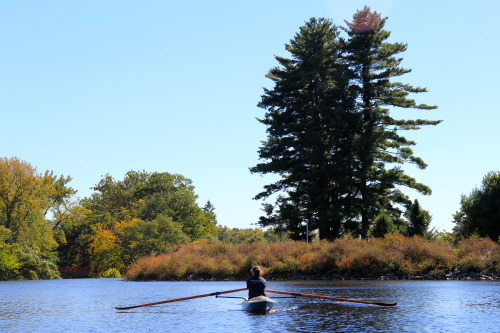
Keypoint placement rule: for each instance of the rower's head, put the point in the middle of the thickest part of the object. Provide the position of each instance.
(255, 270)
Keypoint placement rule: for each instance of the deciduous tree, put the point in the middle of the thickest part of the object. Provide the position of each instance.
(146, 196)
(25, 198)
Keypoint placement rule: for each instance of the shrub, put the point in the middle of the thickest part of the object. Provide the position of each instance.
(9, 265)
(34, 267)
(393, 254)
(478, 255)
(111, 273)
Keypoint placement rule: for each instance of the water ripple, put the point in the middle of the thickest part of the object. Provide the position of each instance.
(88, 306)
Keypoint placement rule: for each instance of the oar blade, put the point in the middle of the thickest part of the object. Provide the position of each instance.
(385, 304)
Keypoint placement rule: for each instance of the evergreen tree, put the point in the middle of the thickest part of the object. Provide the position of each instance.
(418, 220)
(379, 147)
(383, 225)
(285, 218)
(331, 136)
(480, 211)
(309, 123)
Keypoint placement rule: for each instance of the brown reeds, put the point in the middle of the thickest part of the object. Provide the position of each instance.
(392, 255)
(478, 255)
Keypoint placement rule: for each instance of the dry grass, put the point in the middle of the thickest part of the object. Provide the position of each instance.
(478, 255)
(394, 254)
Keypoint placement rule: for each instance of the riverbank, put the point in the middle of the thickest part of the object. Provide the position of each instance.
(435, 276)
(393, 257)
(443, 275)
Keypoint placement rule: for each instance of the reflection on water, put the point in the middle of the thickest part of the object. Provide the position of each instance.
(88, 306)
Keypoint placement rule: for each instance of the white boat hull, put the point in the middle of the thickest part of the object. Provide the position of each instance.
(260, 304)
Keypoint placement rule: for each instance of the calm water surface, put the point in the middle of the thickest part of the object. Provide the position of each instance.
(87, 305)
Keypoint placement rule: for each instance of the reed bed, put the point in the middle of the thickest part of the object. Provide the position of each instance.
(393, 255)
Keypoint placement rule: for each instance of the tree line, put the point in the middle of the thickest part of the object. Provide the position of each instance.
(43, 225)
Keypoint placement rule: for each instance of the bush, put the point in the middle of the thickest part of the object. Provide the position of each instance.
(9, 265)
(111, 273)
(393, 254)
(17, 263)
(34, 267)
(478, 255)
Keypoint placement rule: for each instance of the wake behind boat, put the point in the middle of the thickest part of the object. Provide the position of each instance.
(259, 304)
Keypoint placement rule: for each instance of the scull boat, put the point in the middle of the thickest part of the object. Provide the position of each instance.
(259, 304)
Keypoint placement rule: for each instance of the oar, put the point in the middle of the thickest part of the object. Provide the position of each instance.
(332, 298)
(179, 299)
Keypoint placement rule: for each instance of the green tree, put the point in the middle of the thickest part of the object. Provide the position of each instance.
(383, 225)
(26, 196)
(23, 200)
(331, 137)
(150, 238)
(9, 264)
(285, 217)
(480, 211)
(105, 250)
(418, 220)
(247, 236)
(74, 235)
(144, 214)
(379, 146)
(145, 196)
(310, 122)
(60, 198)
(35, 265)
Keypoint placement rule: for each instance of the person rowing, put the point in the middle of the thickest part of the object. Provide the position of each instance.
(256, 284)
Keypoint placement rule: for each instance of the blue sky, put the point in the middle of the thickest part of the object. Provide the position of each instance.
(89, 88)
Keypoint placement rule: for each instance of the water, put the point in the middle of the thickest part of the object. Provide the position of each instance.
(87, 305)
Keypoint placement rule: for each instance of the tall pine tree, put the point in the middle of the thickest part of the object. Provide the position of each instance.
(380, 147)
(331, 136)
(310, 122)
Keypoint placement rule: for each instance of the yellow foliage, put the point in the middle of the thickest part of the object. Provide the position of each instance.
(103, 239)
(121, 226)
(24, 198)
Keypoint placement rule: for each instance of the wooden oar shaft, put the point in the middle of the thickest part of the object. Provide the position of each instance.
(340, 299)
(179, 299)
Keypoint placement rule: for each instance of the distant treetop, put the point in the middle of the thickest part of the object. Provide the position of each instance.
(364, 20)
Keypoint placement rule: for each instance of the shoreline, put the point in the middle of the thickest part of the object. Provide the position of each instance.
(444, 275)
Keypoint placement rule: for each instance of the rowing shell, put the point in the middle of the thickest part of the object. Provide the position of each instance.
(259, 304)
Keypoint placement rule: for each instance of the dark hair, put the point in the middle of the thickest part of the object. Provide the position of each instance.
(255, 270)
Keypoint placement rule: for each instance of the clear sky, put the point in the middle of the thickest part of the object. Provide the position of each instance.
(93, 87)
